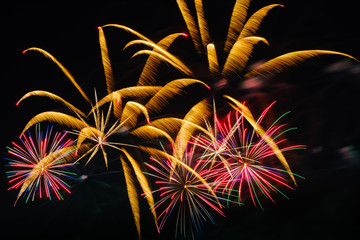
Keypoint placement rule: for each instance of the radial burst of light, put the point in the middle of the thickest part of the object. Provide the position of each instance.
(182, 194)
(40, 164)
(116, 128)
(100, 133)
(242, 161)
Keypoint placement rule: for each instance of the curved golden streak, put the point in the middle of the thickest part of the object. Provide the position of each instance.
(160, 154)
(56, 117)
(43, 163)
(161, 57)
(143, 183)
(163, 52)
(212, 59)
(150, 69)
(106, 62)
(132, 194)
(249, 117)
(170, 125)
(239, 55)
(190, 24)
(183, 128)
(131, 112)
(253, 23)
(53, 97)
(287, 60)
(117, 103)
(138, 92)
(149, 132)
(139, 35)
(237, 22)
(196, 115)
(203, 26)
(63, 69)
(160, 99)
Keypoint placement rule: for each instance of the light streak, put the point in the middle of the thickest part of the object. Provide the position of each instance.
(40, 164)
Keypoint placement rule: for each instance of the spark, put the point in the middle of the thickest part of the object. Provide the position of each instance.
(242, 160)
(40, 164)
(182, 193)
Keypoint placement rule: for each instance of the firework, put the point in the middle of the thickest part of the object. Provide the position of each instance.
(156, 56)
(182, 192)
(234, 158)
(100, 133)
(240, 42)
(126, 112)
(242, 160)
(181, 180)
(95, 129)
(40, 164)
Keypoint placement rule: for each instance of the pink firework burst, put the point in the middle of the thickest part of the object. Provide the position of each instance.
(242, 162)
(182, 193)
(39, 164)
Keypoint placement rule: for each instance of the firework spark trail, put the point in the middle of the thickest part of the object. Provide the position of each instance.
(40, 163)
(100, 133)
(63, 69)
(238, 48)
(240, 159)
(237, 156)
(94, 134)
(182, 193)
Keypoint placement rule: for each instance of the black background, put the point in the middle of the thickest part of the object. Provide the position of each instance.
(324, 107)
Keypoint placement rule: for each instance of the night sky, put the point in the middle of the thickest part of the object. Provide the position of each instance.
(323, 96)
